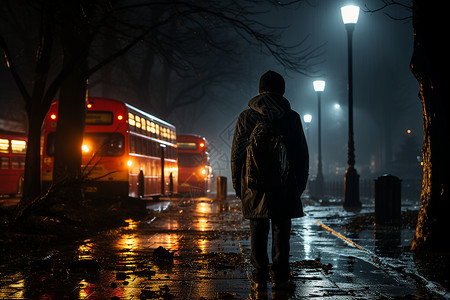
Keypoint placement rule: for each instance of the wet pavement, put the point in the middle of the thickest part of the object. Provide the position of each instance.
(198, 248)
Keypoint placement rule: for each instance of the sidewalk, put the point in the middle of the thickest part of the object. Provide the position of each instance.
(208, 258)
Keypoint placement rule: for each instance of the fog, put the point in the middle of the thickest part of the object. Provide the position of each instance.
(386, 104)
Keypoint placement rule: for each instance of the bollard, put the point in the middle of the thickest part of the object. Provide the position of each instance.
(221, 188)
(388, 200)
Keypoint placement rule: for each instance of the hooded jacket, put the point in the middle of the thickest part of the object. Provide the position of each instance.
(259, 203)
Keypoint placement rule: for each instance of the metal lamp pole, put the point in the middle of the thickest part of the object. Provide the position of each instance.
(350, 15)
(319, 87)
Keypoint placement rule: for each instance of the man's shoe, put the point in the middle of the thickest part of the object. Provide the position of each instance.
(283, 285)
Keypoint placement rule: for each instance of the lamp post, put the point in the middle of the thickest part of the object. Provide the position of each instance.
(307, 119)
(350, 15)
(319, 87)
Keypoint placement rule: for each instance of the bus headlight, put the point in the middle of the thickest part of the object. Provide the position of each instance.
(129, 163)
(85, 148)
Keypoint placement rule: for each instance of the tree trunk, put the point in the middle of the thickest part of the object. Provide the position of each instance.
(75, 40)
(429, 64)
(70, 128)
(32, 174)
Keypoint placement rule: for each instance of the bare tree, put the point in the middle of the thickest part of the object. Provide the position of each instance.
(429, 64)
(79, 29)
(38, 100)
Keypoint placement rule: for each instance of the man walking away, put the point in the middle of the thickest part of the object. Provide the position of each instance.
(270, 196)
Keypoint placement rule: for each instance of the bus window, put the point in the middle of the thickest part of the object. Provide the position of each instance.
(4, 146)
(18, 147)
(190, 159)
(152, 129)
(148, 128)
(4, 162)
(131, 121)
(144, 147)
(157, 130)
(51, 144)
(138, 124)
(132, 144)
(18, 162)
(187, 145)
(99, 118)
(138, 142)
(102, 144)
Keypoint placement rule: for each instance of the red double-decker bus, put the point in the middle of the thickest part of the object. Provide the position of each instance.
(194, 168)
(13, 148)
(126, 151)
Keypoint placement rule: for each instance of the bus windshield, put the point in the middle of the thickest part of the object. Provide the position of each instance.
(98, 143)
(190, 160)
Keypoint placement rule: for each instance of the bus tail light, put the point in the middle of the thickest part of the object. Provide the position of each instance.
(120, 117)
(53, 116)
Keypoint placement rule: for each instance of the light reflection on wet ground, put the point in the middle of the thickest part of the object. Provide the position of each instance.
(208, 241)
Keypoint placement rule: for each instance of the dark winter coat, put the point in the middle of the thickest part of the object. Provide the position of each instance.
(261, 203)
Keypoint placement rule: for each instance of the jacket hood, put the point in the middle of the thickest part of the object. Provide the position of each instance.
(271, 105)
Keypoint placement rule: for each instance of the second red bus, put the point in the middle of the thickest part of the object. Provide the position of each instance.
(194, 168)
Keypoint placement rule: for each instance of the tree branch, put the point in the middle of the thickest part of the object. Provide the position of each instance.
(11, 66)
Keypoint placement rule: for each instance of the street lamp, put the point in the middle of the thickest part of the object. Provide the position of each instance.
(319, 87)
(307, 119)
(350, 15)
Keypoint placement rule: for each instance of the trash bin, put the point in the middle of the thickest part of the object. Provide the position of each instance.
(221, 188)
(388, 200)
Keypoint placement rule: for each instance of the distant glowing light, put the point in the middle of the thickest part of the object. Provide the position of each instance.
(53, 117)
(337, 106)
(203, 171)
(85, 148)
(120, 117)
(129, 163)
(202, 145)
(408, 131)
(307, 118)
(89, 105)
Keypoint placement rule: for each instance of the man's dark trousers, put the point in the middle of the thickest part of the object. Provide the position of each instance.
(259, 232)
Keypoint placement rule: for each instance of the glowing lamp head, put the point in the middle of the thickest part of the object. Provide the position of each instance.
(350, 14)
(307, 118)
(319, 85)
